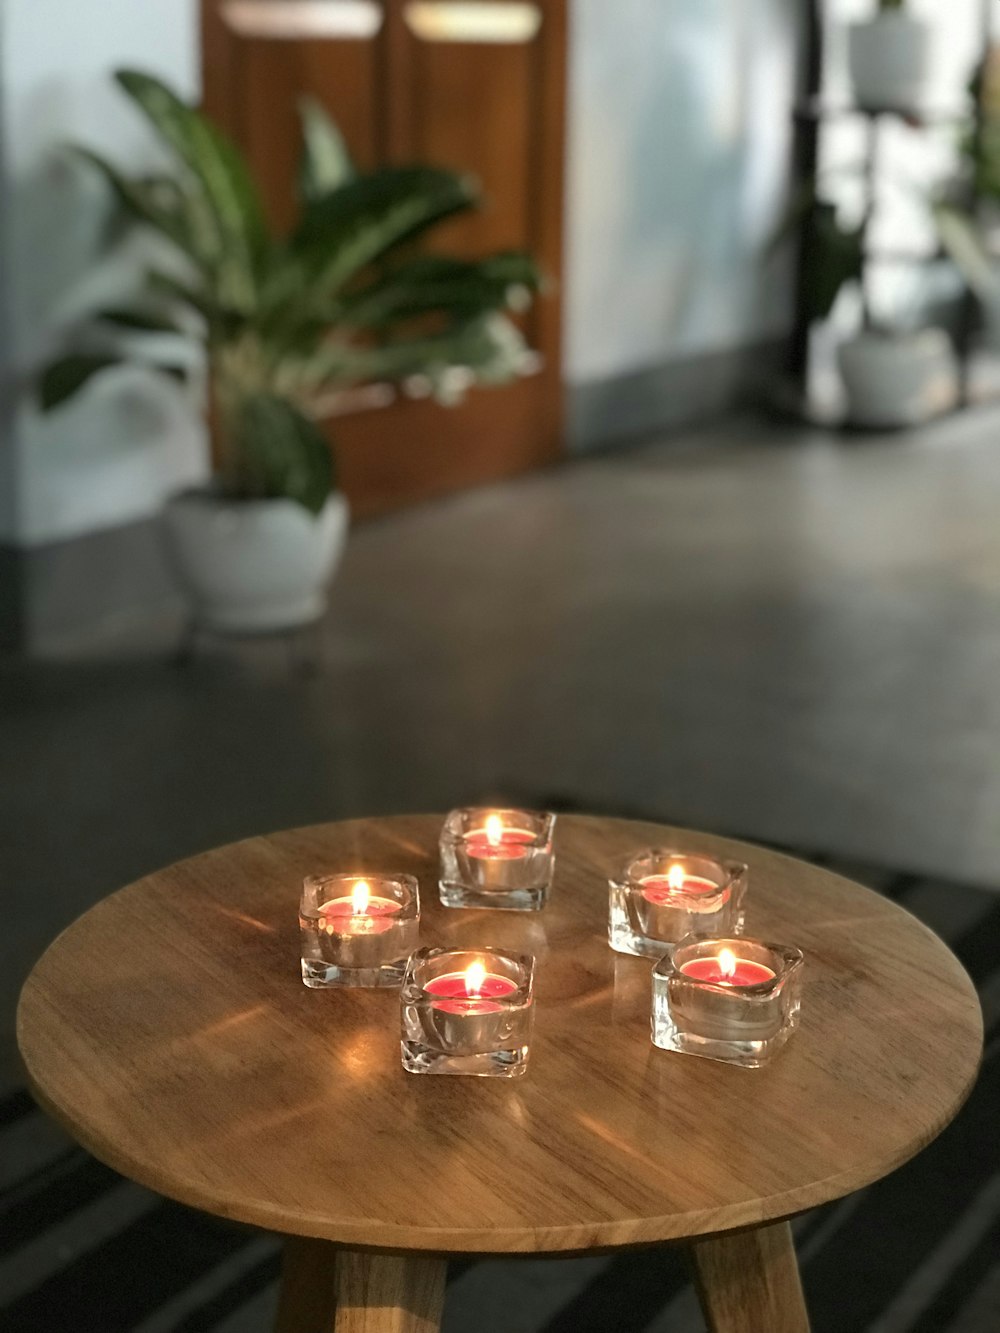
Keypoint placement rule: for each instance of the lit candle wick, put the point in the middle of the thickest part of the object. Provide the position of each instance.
(475, 975)
(727, 962)
(494, 830)
(676, 877)
(360, 896)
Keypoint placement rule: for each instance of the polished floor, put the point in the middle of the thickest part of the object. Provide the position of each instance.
(769, 632)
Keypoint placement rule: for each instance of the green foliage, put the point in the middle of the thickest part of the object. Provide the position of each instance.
(832, 254)
(67, 375)
(63, 378)
(284, 453)
(980, 146)
(961, 241)
(290, 322)
(326, 163)
(223, 209)
(885, 5)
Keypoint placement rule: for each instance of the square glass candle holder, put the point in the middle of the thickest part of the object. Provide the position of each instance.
(497, 858)
(664, 895)
(732, 999)
(667, 895)
(357, 930)
(467, 1011)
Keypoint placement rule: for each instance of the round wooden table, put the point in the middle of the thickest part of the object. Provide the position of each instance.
(168, 1030)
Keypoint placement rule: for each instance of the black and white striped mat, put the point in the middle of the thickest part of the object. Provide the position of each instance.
(83, 1249)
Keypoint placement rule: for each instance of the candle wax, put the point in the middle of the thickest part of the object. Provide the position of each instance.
(458, 999)
(513, 844)
(747, 973)
(342, 917)
(659, 890)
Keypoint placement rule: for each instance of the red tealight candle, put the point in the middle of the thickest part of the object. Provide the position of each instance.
(471, 991)
(664, 889)
(494, 842)
(727, 970)
(360, 913)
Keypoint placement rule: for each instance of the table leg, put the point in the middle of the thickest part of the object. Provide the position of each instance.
(326, 1289)
(749, 1280)
(307, 1299)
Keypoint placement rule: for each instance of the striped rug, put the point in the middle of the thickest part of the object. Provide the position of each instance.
(83, 1249)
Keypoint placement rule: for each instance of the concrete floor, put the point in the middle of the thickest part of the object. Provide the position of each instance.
(778, 634)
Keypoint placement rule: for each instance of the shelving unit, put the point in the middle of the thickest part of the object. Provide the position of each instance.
(811, 114)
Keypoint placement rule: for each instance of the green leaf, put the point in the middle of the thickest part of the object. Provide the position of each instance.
(141, 321)
(832, 255)
(963, 244)
(141, 200)
(66, 376)
(435, 284)
(233, 205)
(490, 347)
(358, 224)
(282, 453)
(326, 163)
(222, 324)
(160, 202)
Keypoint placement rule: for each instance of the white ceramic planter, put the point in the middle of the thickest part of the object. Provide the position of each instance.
(897, 379)
(250, 566)
(888, 58)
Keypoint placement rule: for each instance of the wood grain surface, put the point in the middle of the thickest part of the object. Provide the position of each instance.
(169, 1031)
(326, 1289)
(749, 1281)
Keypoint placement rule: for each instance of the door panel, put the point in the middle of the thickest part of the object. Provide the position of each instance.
(477, 87)
(269, 67)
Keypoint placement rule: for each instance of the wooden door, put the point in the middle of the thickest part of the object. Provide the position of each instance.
(478, 87)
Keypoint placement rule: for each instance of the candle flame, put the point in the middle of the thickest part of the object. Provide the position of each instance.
(727, 962)
(676, 877)
(494, 830)
(360, 897)
(475, 975)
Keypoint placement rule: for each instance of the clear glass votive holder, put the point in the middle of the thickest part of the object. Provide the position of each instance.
(467, 1011)
(497, 858)
(664, 895)
(357, 930)
(732, 999)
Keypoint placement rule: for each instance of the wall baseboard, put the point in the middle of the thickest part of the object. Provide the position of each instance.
(668, 396)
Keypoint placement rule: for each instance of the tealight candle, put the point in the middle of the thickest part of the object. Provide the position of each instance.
(728, 970)
(357, 930)
(496, 858)
(470, 992)
(496, 842)
(733, 999)
(664, 895)
(466, 1012)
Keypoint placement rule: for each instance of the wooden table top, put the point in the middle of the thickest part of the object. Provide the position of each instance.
(169, 1031)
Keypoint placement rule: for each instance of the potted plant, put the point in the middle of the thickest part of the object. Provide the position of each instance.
(288, 324)
(888, 58)
(893, 375)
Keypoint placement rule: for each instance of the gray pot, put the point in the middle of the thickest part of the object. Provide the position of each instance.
(898, 379)
(250, 566)
(888, 56)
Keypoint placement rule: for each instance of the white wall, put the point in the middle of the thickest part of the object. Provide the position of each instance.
(111, 456)
(678, 168)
